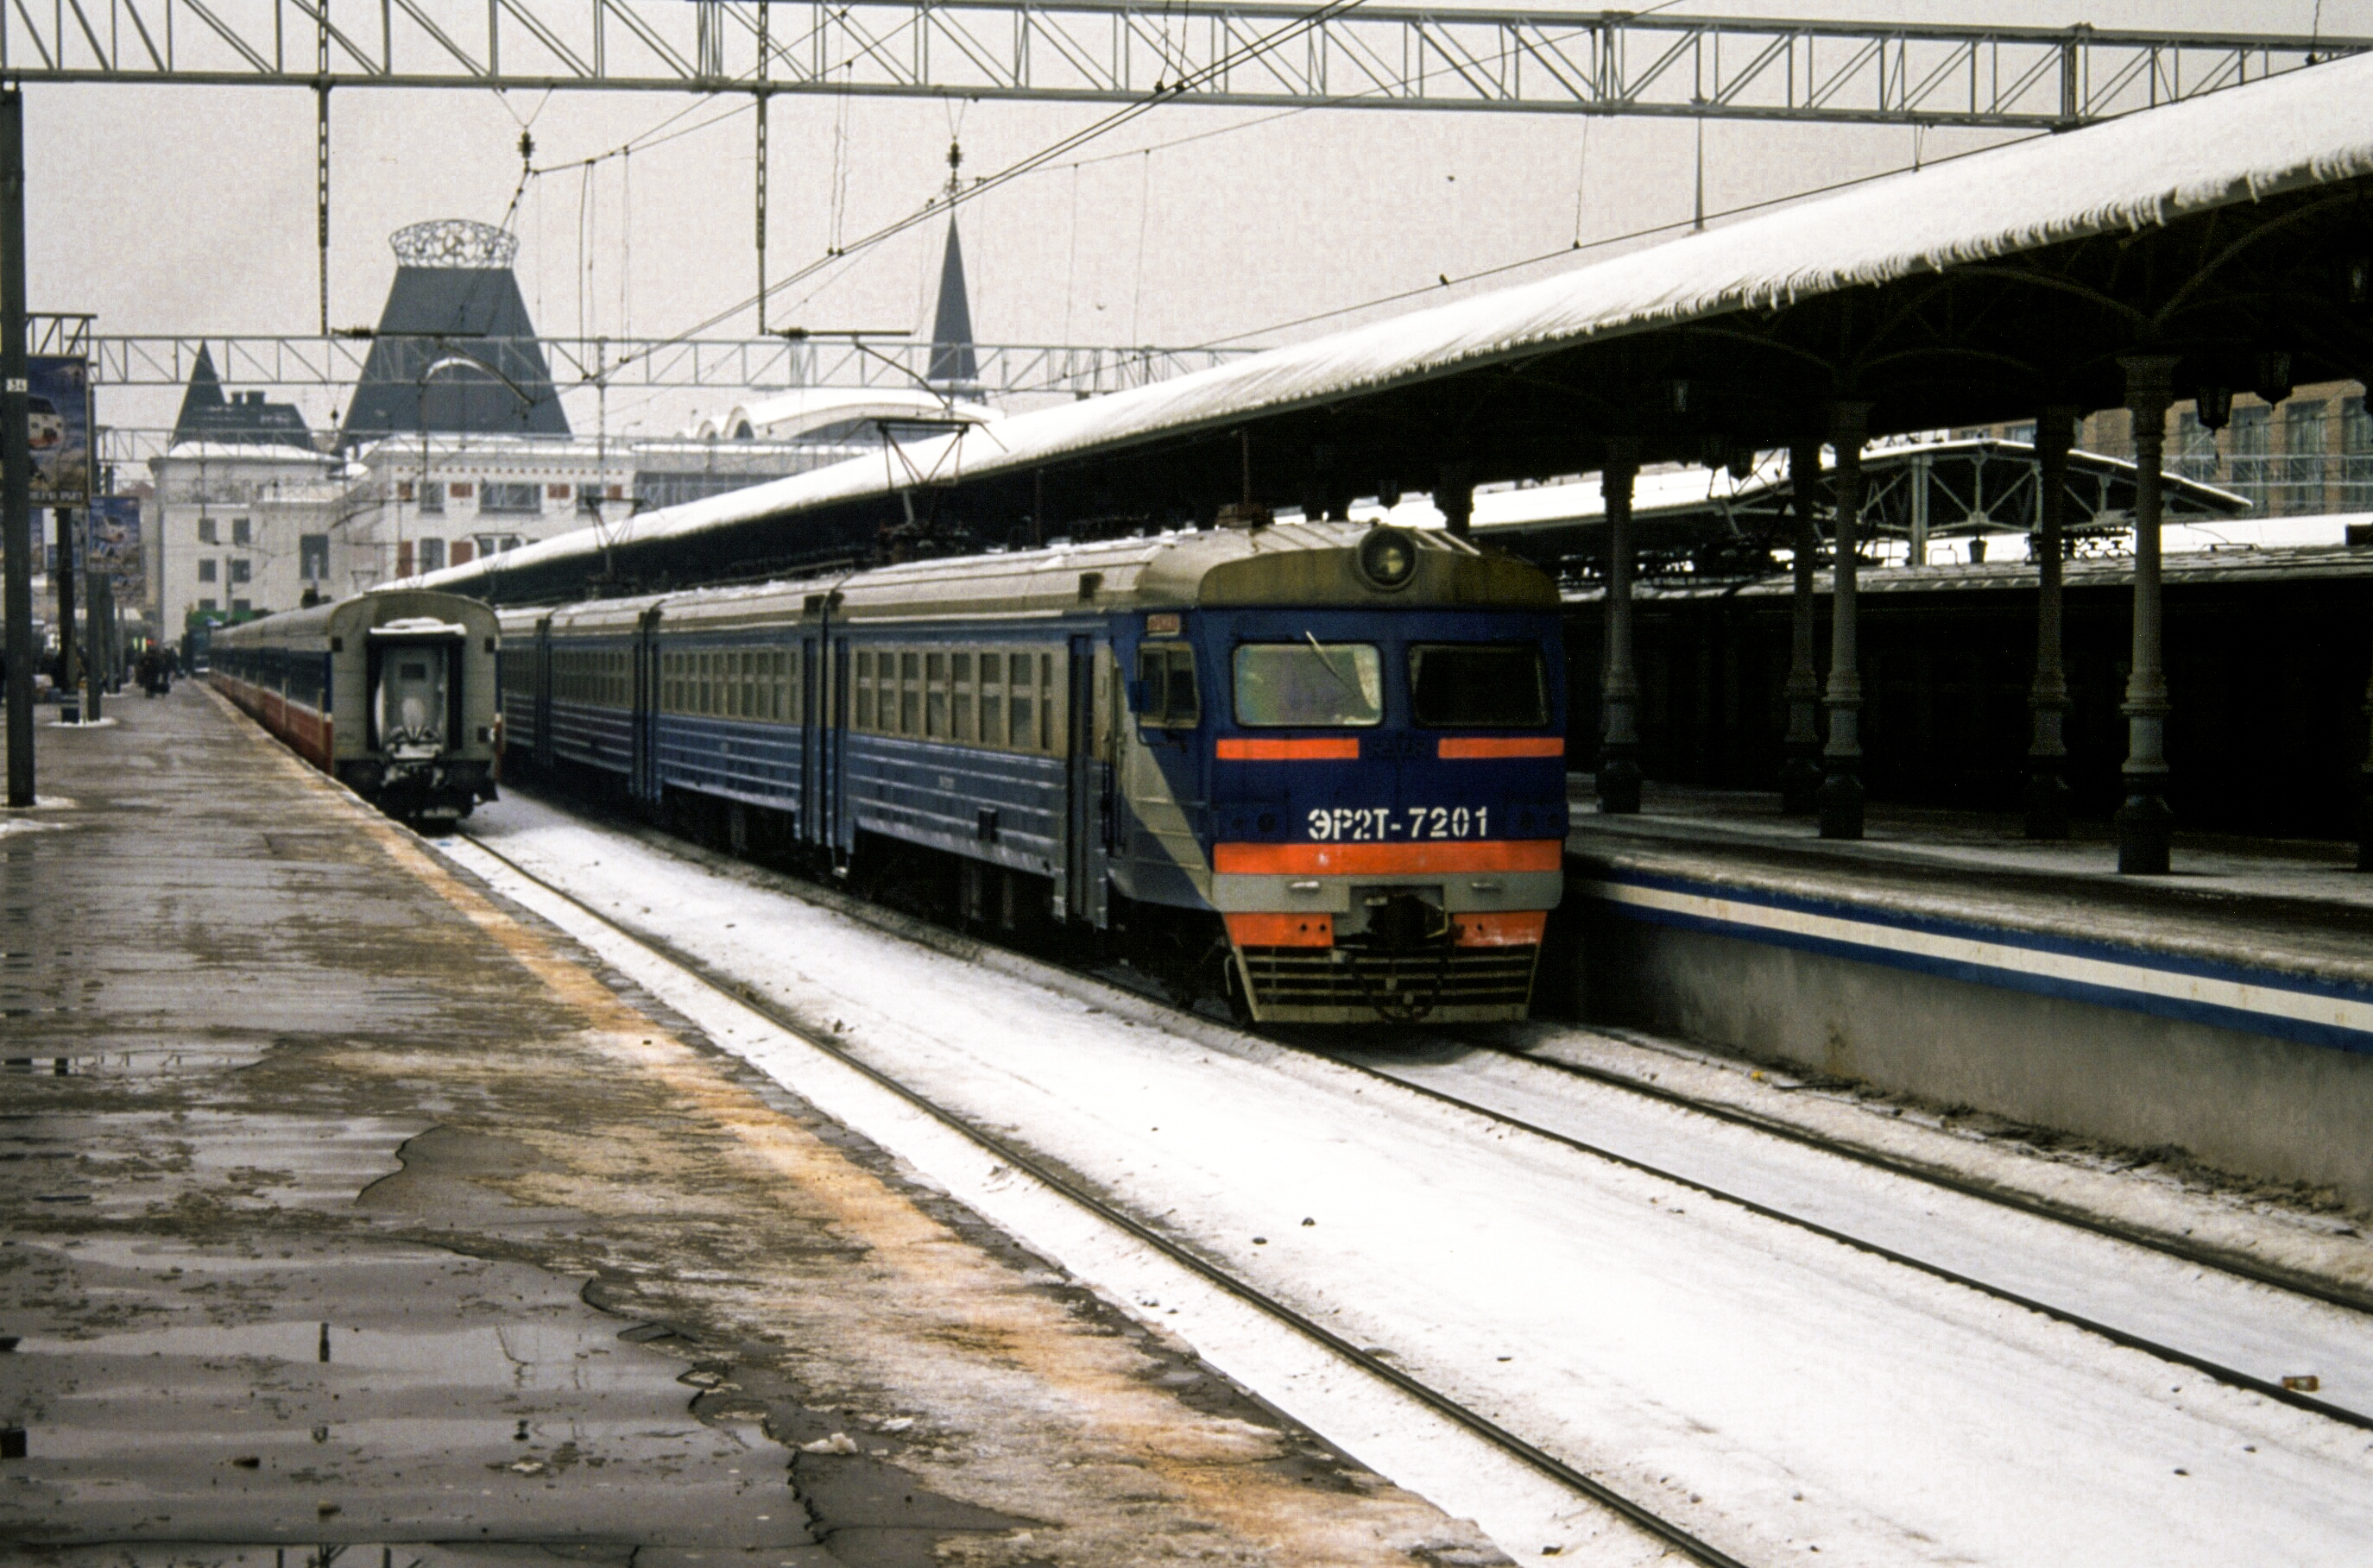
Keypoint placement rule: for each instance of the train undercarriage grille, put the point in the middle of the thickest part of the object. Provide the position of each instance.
(1328, 985)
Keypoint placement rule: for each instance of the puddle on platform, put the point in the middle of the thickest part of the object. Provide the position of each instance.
(359, 1396)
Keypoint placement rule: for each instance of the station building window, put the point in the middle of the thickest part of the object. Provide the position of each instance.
(206, 570)
(209, 531)
(242, 530)
(313, 556)
(432, 555)
(432, 497)
(2303, 454)
(241, 570)
(207, 607)
(2356, 456)
(510, 495)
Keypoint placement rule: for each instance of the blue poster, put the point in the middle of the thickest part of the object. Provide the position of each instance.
(115, 545)
(57, 421)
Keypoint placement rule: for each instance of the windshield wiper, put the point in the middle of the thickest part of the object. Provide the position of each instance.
(1328, 664)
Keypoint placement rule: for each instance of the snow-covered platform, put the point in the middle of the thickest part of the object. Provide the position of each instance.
(2226, 1010)
(352, 1208)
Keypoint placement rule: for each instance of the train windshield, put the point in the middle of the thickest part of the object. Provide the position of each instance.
(1309, 685)
(1479, 686)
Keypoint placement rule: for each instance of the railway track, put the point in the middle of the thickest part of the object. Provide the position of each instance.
(1054, 1177)
(965, 946)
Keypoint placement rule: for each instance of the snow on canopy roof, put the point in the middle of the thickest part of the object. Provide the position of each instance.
(2310, 127)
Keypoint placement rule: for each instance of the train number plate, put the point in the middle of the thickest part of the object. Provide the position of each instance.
(1384, 824)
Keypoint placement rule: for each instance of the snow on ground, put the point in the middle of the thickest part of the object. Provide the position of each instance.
(1771, 1391)
(2254, 1329)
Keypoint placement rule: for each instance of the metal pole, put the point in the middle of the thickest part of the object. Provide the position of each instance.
(1618, 763)
(1800, 769)
(69, 667)
(94, 639)
(2047, 753)
(1841, 798)
(15, 454)
(2146, 822)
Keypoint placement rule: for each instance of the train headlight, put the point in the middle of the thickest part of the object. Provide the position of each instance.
(1387, 558)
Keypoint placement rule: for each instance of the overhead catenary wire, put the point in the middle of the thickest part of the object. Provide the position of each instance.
(1051, 153)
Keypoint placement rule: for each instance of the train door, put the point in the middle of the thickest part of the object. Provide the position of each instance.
(839, 829)
(812, 730)
(1084, 889)
(644, 774)
(541, 697)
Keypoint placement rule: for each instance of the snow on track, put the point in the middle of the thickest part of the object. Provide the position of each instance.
(2261, 1331)
(1769, 1389)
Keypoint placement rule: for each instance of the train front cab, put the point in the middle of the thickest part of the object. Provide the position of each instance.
(1382, 795)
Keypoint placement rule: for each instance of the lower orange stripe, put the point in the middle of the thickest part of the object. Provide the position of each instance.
(1237, 749)
(1502, 745)
(1282, 930)
(1365, 860)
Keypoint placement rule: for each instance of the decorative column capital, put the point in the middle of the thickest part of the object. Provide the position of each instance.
(2150, 380)
(1849, 421)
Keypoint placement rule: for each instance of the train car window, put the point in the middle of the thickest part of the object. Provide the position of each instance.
(1046, 705)
(1309, 685)
(960, 672)
(935, 694)
(1479, 686)
(864, 690)
(1168, 672)
(992, 698)
(910, 693)
(1020, 704)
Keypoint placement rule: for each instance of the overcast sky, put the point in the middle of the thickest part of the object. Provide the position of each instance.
(191, 209)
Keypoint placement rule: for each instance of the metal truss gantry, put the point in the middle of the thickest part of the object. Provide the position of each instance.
(1523, 60)
(745, 368)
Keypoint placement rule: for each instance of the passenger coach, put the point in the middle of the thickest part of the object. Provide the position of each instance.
(1328, 762)
(392, 693)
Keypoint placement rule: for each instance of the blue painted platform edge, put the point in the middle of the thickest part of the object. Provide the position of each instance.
(2156, 984)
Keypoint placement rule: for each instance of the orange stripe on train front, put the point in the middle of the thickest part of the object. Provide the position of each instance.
(1471, 746)
(1423, 858)
(1243, 748)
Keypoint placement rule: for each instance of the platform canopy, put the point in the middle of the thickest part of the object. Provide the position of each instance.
(2232, 230)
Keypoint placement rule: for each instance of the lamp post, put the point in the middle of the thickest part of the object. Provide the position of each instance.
(2146, 822)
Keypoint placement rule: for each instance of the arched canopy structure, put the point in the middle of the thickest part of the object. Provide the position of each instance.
(2232, 233)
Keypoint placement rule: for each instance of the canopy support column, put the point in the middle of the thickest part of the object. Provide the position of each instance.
(1800, 769)
(1841, 798)
(2365, 788)
(1619, 761)
(2047, 753)
(2146, 822)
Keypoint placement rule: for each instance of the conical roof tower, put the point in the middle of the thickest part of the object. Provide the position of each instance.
(456, 352)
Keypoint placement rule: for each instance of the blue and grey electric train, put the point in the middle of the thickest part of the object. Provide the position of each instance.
(1329, 759)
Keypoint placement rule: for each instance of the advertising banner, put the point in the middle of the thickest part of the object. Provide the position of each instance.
(115, 545)
(57, 419)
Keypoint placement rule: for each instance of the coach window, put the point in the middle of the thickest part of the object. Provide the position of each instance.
(864, 690)
(910, 693)
(935, 695)
(992, 698)
(1167, 670)
(1022, 703)
(1309, 685)
(959, 665)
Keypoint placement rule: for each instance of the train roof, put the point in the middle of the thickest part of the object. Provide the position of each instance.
(350, 617)
(1292, 563)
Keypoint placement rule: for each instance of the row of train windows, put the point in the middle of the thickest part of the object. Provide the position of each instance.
(602, 676)
(1002, 699)
(732, 683)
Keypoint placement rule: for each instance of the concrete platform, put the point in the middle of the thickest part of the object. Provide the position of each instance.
(349, 1209)
(2226, 1011)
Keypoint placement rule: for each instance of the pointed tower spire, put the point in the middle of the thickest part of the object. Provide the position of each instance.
(202, 404)
(954, 367)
